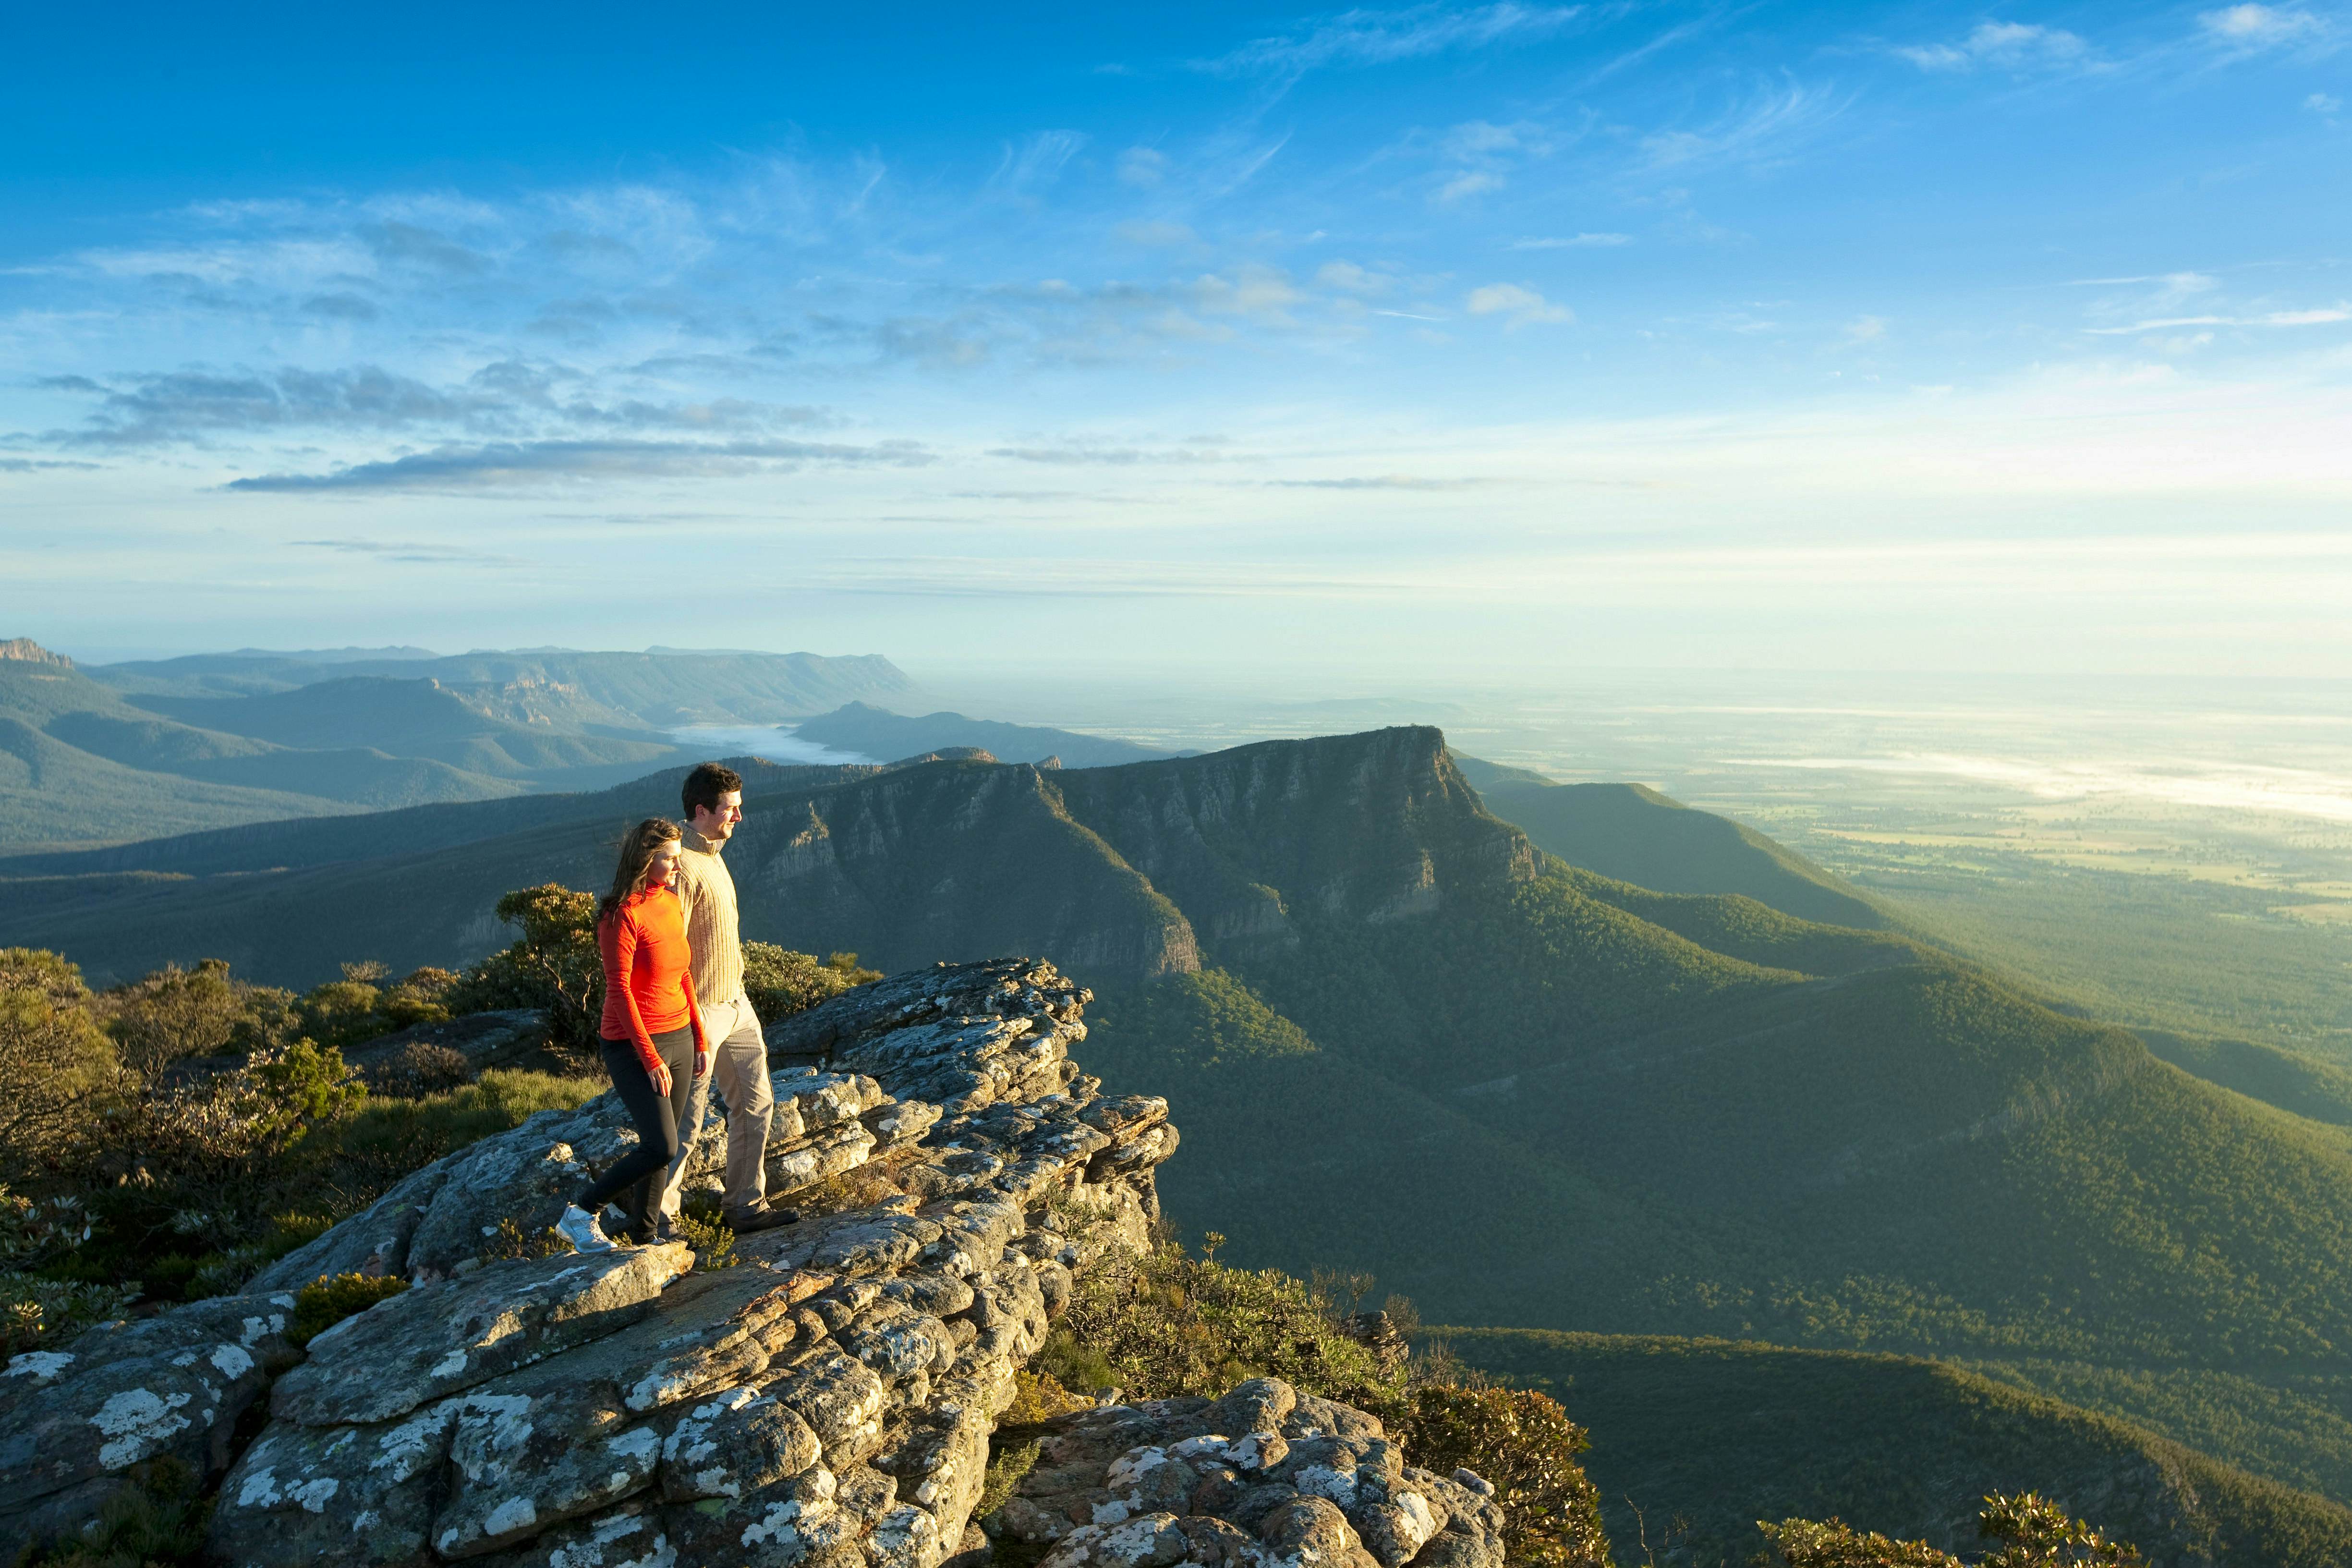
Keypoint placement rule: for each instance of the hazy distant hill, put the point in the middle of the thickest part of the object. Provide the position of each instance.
(210, 739)
(661, 688)
(76, 762)
(1705, 1437)
(415, 718)
(872, 731)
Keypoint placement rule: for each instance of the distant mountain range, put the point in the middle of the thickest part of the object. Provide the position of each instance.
(1407, 1038)
(158, 748)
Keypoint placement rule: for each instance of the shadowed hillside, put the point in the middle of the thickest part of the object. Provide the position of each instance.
(1633, 833)
(1706, 1436)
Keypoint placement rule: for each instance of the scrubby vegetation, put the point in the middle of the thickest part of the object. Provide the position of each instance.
(166, 1138)
(1170, 1324)
(321, 1304)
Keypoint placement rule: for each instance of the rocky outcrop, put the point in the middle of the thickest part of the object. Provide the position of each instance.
(1261, 1477)
(25, 650)
(831, 1397)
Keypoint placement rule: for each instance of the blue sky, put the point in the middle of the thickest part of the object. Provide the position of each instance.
(1440, 341)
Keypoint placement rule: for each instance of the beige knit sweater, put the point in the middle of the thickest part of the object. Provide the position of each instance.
(711, 921)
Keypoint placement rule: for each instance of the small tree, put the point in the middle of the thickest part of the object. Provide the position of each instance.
(552, 965)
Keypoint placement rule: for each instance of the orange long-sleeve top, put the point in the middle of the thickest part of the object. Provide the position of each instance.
(648, 973)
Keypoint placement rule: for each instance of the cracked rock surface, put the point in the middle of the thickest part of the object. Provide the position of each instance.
(829, 1399)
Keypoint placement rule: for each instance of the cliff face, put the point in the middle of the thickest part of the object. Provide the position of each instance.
(25, 650)
(1373, 826)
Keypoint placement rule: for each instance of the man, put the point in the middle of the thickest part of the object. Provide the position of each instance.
(712, 800)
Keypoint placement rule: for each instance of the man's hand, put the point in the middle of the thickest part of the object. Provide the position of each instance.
(660, 1075)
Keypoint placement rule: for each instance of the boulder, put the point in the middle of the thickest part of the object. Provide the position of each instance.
(74, 1421)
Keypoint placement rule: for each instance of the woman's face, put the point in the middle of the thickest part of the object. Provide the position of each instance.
(662, 865)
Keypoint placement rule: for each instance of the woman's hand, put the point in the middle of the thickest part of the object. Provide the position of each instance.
(660, 1075)
(702, 1064)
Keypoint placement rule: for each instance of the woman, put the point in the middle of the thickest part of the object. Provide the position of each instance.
(651, 1023)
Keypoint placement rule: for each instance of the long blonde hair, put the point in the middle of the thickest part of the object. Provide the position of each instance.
(637, 856)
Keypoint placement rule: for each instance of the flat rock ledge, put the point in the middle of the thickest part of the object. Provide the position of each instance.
(830, 1399)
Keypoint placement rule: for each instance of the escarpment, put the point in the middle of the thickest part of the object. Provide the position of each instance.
(828, 1397)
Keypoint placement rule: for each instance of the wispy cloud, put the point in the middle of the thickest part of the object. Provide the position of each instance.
(423, 552)
(2005, 46)
(2325, 316)
(1378, 37)
(506, 465)
(1376, 482)
(1766, 127)
(1570, 242)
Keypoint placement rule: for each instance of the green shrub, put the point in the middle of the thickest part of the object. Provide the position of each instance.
(779, 982)
(712, 1240)
(323, 1303)
(1524, 1443)
(176, 1014)
(1805, 1543)
(422, 998)
(62, 1070)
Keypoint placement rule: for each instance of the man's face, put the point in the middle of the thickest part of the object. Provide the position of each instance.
(717, 823)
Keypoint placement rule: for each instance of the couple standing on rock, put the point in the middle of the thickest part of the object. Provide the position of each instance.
(676, 1017)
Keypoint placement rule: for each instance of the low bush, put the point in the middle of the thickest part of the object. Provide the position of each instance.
(320, 1305)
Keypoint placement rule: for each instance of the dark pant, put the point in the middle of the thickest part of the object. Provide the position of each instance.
(657, 1117)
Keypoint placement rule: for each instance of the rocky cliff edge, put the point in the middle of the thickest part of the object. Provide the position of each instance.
(829, 1399)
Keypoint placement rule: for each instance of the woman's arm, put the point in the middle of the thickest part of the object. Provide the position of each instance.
(617, 943)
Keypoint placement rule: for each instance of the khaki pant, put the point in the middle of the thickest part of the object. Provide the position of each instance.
(739, 1067)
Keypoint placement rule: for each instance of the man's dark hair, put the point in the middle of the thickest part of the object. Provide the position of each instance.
(705, 784)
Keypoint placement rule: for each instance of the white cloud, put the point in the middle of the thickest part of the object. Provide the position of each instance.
(1570, 242)
(2322, 103)
(1469, 183)
(1351, 278)
(2010, 45)
(1525, 307)
(1866, 330)
(1143, 166)
(2259, 27)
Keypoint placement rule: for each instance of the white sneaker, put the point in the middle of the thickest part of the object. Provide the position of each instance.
(579, 1227)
